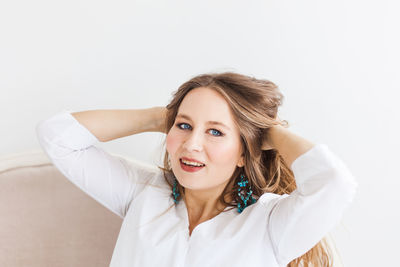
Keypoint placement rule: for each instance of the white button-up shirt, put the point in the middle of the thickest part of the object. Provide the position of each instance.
(155, 232)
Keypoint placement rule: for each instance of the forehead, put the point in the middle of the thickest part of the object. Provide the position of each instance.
(207, 106)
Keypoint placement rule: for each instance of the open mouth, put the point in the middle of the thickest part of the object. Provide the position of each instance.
(190, 168)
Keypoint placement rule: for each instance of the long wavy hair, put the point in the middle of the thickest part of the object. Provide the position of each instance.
(254, 104)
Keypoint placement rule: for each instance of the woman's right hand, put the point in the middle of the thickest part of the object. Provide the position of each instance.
(160, 113)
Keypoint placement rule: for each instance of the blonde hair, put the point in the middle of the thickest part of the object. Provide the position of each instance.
(254, 104)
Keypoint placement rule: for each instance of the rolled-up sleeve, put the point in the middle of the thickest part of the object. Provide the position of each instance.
(298, 221)
(109, 179)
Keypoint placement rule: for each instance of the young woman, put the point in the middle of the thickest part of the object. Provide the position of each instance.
(237, 187)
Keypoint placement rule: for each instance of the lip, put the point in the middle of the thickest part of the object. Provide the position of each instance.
(189, 168)
(194, 160)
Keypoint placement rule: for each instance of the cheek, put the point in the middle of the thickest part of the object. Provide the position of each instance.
(223, 153)
(172, 143)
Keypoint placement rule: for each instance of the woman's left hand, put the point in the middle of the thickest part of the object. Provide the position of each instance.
(267, 143)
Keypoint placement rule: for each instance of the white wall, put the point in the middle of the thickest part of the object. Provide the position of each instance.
(337, 63)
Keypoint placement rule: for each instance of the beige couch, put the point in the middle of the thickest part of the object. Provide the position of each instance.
(45, 220)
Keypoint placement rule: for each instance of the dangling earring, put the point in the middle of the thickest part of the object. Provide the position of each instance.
(175, 191)
(242, 193)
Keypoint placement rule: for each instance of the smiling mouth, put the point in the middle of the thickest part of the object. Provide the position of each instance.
(202, 164)
(190, 168)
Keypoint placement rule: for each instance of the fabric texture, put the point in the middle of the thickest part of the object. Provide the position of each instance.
(45, 220)
(154, 232)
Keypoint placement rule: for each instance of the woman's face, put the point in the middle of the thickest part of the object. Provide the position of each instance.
(193, 136)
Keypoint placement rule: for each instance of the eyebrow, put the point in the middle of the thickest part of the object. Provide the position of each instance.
(209, 122)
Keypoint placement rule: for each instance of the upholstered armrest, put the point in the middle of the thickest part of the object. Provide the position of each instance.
(45, 220)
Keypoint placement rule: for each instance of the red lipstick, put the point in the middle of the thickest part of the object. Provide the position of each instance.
(190, 168)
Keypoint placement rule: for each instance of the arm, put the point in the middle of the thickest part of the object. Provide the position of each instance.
(325, 187)
(110, 180)
(108, 125)
(289, 145)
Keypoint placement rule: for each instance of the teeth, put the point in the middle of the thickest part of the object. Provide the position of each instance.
(192, 163)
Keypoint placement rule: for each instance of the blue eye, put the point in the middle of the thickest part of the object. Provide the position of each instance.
(220, 134)
(179, 126)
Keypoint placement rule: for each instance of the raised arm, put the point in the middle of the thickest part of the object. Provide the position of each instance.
(69, 141)
(108, 125)
(325, 187)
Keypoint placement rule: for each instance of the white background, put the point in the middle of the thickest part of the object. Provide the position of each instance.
(336, 62)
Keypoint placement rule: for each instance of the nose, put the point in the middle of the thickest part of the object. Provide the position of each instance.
(193, 141)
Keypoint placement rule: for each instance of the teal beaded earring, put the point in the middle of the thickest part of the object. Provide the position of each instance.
(175, 191)
(242, 193)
